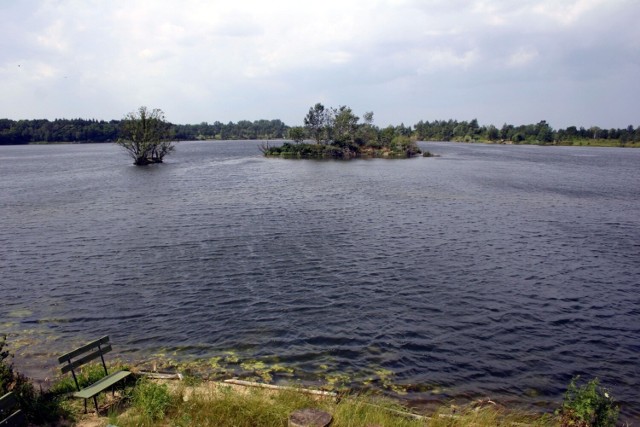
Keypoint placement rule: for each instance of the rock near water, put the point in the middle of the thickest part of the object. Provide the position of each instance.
(309, 417)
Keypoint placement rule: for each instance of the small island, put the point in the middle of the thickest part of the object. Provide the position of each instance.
(331, 133)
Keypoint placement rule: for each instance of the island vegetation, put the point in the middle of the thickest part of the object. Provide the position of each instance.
(541, 133)
(337, 133)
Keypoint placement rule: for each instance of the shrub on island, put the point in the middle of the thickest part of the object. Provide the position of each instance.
(338, 134)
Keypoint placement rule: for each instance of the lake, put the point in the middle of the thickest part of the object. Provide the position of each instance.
(490, 271)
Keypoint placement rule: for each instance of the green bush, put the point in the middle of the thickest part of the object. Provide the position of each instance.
(404, 146)
(588, 405)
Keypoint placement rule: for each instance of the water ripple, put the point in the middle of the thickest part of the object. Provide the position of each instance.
(498, 271)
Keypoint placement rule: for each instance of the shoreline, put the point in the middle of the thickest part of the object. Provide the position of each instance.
(423, 396)
(229, 365)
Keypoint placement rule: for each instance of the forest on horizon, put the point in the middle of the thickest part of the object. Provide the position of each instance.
(41, 131)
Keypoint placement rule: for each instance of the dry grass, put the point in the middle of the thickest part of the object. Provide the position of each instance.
(216, 404)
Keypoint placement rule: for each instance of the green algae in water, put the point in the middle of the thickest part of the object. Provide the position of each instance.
(264, 370)
(282, 369)
(7, 326)
(231, 357)
(253, 365)
(337, 381)
(268, 369)
(20, 313)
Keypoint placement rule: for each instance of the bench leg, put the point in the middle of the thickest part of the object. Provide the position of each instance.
(85, 406)
(95, 400)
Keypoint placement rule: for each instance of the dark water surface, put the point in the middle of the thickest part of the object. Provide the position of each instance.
(496, 271)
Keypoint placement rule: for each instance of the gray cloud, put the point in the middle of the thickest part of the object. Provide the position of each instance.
(566, 61)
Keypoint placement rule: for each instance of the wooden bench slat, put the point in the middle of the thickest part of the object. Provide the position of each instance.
(102, 384)
(8, 401)
(89, 357)
(88, 352)
(83, 349)
(16, 419)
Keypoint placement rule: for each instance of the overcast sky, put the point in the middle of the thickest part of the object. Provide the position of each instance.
(570, 62)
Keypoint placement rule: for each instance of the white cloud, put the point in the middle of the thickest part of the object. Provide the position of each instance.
(44, 71)
(439, 59)
(53, 37)
(522, 57)
(220, 60)
(569, 11)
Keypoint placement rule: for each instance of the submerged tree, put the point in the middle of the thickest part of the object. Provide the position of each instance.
(146, 135)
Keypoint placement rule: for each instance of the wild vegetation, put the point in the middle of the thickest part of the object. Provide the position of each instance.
(81, 130)
(588, 405)
(337, 133)
(41, 407)
(224, 405)
(193, 401)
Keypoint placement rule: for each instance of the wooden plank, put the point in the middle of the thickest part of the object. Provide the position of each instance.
(102, 385)
(67, 356)
(8, 401)
(280, 387)
(395, 411)
(88, 358)
(161, 375)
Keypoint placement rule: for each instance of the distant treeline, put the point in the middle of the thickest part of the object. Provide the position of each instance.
(540, 133)
(59, 130)
(244, 129)
(81, 130)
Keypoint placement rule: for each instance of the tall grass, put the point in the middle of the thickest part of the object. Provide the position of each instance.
(152, 401)
(222, 405)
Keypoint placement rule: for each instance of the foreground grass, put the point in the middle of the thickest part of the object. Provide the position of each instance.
(214, 404)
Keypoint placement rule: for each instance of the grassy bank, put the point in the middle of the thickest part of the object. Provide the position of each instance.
(155, 403)
(193, 401)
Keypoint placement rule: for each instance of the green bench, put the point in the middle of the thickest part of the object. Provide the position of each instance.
(14, 418)
(78, 357)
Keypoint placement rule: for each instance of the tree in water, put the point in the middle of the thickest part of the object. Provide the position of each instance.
(146, 135)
